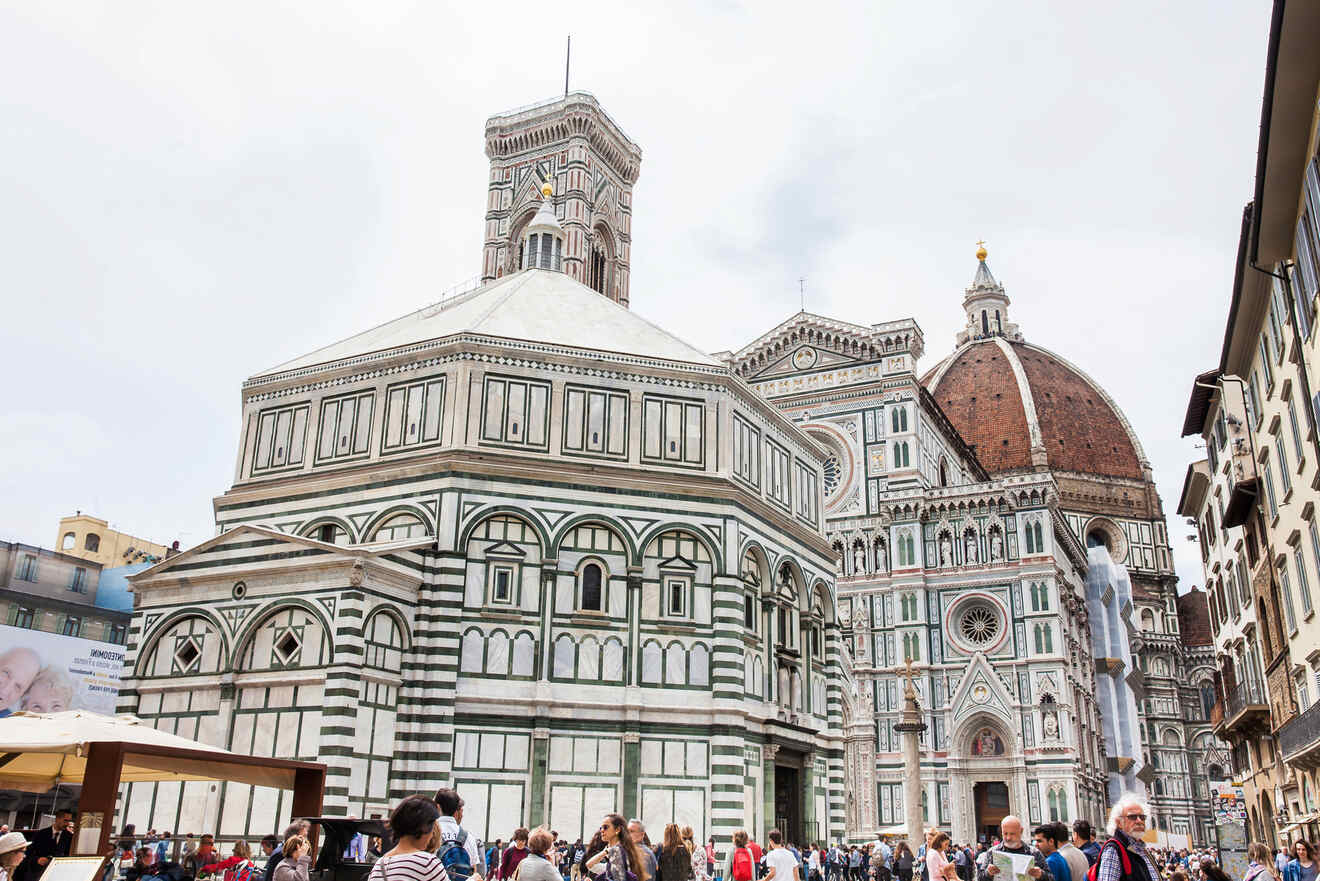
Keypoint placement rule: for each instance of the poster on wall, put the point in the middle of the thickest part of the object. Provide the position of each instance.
(1229, 806)
(49, 673)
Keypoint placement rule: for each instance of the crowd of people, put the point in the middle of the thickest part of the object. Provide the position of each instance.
(425, 840)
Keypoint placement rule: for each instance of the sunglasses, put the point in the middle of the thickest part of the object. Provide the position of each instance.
(1141, 817)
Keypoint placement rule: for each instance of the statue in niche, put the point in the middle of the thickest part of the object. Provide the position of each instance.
(987, 743)
(996, 546)
(946, 549)
(1051, 726)
(969, 547)
(881, 557)
(838, 563)
(859, 560)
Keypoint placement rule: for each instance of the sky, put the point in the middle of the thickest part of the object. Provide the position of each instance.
(192, 193)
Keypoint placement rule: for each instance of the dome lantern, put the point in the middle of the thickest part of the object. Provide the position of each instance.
(543, 241)
(986, 305)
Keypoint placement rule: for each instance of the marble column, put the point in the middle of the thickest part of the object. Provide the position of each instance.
(909, 728)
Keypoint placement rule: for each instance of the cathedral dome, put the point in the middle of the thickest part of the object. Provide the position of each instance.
(1023, 407)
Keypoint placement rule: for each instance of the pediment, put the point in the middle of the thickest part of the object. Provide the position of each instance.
(505, 549)
(682, 563)
(804, 329)
(980, 692)
(804, 359)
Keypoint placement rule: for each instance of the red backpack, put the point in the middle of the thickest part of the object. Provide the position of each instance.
(1093, 873)
(742, 864)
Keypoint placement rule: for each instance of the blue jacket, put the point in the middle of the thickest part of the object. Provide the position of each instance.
(1292, 871)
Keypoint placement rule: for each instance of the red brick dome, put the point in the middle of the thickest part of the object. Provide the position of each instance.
(1020, 406)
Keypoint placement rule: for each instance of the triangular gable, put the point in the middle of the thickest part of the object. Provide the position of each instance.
(980, 691)
(505, 549)
(678, 563)
(795, 361)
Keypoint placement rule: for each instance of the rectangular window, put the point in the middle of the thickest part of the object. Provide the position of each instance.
(776, 478)
(78, 584)
(501, 585)
(676, 590)
(72, 626)
(516, 413)
(1266, 363)
(749, 612)
(1285, 476)
(118, 634)
(413, 414)
(281, 437)
(1253, 401)
(1303, 582)
(1276, 317)
(24, 617)
(27, 568)
(345, 427)
(674, 430)
(804, 485)
(1269, 486)
(595, 422)
(1285, 588)
(1296, 431)
(746, 452)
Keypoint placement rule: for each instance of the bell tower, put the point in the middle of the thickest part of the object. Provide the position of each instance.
(591, 166)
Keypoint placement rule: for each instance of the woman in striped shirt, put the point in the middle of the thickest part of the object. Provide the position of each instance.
(413, 825)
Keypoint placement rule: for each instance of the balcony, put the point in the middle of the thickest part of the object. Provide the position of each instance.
(1299, 740)
(1246, 710)
(1240, 501)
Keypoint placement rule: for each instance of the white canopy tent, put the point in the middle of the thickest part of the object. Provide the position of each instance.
(41, 750)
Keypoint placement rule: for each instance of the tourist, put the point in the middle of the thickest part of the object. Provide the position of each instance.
(238, 867)
(493, 854)
(855, 864)
(13, 850)
(1084, 839)
(295, 857)
(162, 847)
(938, 867)
(1127, 823)
(673, 859)
(780, 863)
(903, 860)
(1210, 871)
(1260, 863)
(1010, 830)
(1049, 837)
(637, 832)
(621, 853)
(514, 853)
(1078, 865)
(459, 852)
(413, 824)
(1281, 856)
(813, 865)
(739, 863)
(536, 865)
(697, 855)
(1303, 867)
(277, 854)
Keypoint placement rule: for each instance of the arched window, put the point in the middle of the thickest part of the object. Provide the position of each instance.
(591, 592)
(1044, 639)
(944, 472)
(92, 542)
(400, 526)
(68, 541)
(1030, 537)
(699, 665)
(1148, 620)
(565, 657)
(999, 324)
(1207, 692)
(1040, 542)
(985, 325)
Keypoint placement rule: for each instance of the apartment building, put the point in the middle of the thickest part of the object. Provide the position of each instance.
(1254, 497)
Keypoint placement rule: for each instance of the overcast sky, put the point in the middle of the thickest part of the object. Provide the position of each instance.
(193, 192)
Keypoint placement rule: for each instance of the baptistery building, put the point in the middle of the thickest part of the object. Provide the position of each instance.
(526, 543)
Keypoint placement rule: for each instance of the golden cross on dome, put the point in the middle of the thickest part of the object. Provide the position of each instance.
(981, 252)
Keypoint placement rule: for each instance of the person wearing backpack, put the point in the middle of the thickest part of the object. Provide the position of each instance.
(459, 852)
(740, 865)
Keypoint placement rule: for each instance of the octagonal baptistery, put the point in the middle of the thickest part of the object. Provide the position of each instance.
(521, 542)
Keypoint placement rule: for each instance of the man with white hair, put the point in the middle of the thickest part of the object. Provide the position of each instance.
(1124, 856)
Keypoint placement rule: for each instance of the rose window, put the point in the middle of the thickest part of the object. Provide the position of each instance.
(979, 625)
(833, 473)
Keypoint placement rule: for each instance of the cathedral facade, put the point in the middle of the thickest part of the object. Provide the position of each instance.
(526, 543)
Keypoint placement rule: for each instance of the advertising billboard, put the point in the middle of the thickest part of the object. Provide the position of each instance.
(49, 672)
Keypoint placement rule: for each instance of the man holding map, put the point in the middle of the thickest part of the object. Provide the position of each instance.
(1012, 859)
